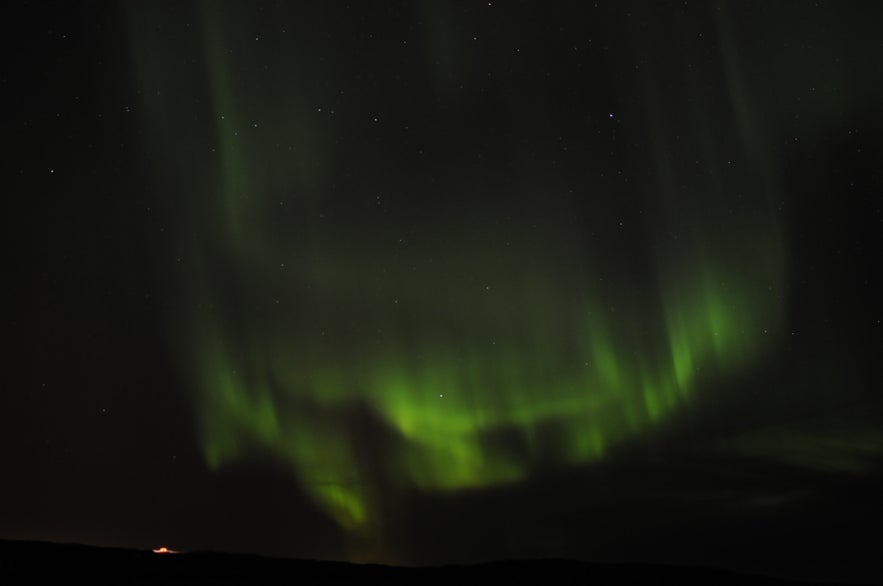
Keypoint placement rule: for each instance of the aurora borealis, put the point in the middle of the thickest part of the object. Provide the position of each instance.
(436, 323)
(576, 279)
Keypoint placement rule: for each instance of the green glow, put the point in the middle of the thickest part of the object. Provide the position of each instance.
(478, 362)
(566, 394)
(449, 405)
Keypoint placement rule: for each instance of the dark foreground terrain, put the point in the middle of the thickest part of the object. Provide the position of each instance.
(23, 562)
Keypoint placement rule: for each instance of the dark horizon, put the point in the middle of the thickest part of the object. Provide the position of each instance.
(423, 283)
(33, 561)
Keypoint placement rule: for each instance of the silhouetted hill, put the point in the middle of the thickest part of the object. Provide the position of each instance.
(23, 562)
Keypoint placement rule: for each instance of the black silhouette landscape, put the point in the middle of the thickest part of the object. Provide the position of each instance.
(23, 562)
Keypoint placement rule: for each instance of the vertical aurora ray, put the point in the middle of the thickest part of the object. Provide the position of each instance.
(304, 316)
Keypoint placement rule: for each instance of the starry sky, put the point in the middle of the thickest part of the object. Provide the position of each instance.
(436, 282)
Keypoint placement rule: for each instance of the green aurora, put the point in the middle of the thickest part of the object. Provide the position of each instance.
(317, 297)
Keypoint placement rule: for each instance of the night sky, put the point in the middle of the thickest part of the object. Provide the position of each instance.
(436, 282)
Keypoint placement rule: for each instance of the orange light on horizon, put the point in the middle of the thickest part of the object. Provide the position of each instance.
(164, 550)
